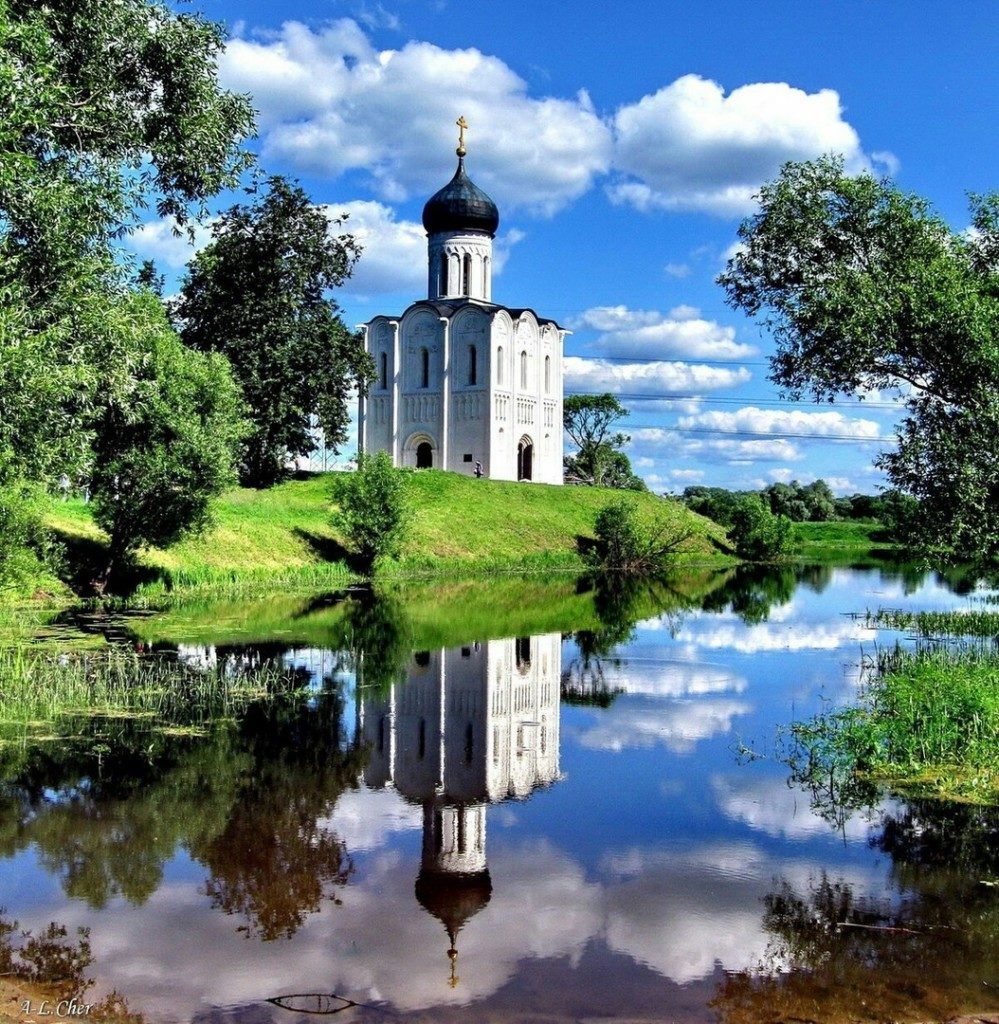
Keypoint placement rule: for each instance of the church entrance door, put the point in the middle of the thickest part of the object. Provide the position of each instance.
(424, 455)
(525, 459)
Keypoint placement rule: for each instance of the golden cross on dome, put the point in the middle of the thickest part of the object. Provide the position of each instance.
(462, 126)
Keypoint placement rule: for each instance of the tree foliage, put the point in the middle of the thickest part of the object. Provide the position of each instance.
(624, 544)
(757, 533)
(259, 293)
(162, 455)
(371, 510)
(864, 288)
(590, 422)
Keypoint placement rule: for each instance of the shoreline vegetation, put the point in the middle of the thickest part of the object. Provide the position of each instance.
(283, 537)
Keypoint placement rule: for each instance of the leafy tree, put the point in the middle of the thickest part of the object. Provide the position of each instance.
(160, 457)
(623, 544)
(757, 533)
(865, 288)
(716, 503)
(259, 293)
(590, 421)
(371, 509)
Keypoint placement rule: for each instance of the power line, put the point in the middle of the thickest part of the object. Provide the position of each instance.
(757, 434)
(670, 396)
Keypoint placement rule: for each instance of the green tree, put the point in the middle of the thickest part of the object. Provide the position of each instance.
(160, 457)
(259, 293)
(371, 510)
(865, 288)
(590, 422)
(757, 533)
(624, 544)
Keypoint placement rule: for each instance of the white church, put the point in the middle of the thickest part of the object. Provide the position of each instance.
(462, 381)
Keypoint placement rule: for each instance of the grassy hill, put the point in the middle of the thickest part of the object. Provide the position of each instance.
(283, 536)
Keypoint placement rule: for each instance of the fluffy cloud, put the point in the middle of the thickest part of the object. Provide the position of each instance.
(330, 102)
(751, 419)
(657, 377)
(689, 146)
(162, 241)
(660, 439)
(801, 636)
(681, 333)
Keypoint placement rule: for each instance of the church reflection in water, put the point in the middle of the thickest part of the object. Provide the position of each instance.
(468, 727)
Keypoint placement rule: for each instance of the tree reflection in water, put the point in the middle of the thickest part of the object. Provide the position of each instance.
(248, 800)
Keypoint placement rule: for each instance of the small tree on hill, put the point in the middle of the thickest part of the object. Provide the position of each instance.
(372, 510)
(625, 545)
(590, 422)
(757, 533)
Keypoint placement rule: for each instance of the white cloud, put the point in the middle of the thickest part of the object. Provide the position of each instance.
(756, 420)
(644, 333)
(677, 270)
(720, 450)
(330, 102)
(689, 146)
(687, 475)
(161, 241)
(802, 636)
(602, 375)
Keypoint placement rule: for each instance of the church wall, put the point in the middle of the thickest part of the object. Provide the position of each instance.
(469, 393)
(420, 386)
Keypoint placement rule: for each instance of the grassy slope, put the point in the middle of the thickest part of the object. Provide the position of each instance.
(283, 536)
(853, 538)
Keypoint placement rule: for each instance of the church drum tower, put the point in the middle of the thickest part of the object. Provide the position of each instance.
(460, 379)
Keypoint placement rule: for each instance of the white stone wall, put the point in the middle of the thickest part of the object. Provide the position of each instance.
(500, 381)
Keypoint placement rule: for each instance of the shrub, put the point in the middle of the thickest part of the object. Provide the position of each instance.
(25, 545)
(372, 511)
(759, 535)
(623, 545)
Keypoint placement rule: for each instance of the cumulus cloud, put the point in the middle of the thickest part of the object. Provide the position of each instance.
(800, 636)
(330, 102)
(167, 245)
(690, 146)
(656, 377)
(682, 333)
(714, 450)
(751, 419)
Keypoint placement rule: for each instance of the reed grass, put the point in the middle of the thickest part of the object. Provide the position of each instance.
(43, 688)
(927, 721)
(973, 622)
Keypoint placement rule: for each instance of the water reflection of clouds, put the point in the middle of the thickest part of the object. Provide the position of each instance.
(763, 637)
(679, 725)
(768, 804)
(371, 818)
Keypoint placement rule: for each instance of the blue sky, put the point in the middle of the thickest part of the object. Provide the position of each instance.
(623, 143)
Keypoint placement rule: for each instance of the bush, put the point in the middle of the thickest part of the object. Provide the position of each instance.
(372, 514)
(622, 545)
(759, 535)
(25, 545)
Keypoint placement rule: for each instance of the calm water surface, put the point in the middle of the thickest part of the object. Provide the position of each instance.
(587, 821)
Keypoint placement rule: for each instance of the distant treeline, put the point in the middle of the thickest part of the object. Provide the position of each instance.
(803, 503)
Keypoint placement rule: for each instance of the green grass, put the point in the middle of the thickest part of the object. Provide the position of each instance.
(971, 623)
(283, 538)
(39, 689)
(839, 540)
(927, 722)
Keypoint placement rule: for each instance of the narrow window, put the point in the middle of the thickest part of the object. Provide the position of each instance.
(523, 370)
(548, 375)
(466, 287)
(499, 365)
(522, 652)
(383, 383)
(443, 288)
(424, 368)
(469, 743)
(473, 369)
(421, 739)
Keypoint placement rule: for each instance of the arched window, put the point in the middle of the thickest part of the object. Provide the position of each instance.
(421, 739)
(499, 365)
(424, 368)
(485, 277)
(443, 288)
(383, 371)
(548, 374)
(523, 370)
(473, 369)
(467, 283)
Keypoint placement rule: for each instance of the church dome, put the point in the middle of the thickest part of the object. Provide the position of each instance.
(460, 206)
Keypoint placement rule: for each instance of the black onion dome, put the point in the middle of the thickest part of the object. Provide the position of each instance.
(460, 206)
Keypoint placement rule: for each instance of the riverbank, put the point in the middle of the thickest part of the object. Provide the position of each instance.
(283, 537)
(842, 540)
